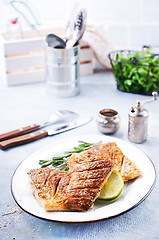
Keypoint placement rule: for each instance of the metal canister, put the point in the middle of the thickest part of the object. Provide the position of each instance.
(108, 121)
(138, 121)
(62, 71)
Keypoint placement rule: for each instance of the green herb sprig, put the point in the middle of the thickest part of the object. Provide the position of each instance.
(61, 161)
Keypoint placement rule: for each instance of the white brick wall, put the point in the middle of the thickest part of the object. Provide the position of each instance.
(128, 23)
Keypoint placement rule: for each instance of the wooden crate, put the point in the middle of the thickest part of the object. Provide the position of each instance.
(23, 61)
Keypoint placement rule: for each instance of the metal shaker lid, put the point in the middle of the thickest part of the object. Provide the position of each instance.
(138, 110)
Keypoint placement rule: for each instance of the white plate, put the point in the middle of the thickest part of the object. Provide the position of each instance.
(133, 193)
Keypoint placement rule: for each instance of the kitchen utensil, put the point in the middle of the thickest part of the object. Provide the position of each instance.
(68, 31)
(108, 121)
(17, 5)
(62, 72)
(56, 117)
(79, 28)
(138, 121)
(54, 41)
(40, 134)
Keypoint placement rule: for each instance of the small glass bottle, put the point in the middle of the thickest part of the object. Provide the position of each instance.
(13, 29)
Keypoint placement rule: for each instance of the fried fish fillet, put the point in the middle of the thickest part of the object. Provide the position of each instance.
(78, 188)
(104, 151)
(44, 183)
(114, 153)
(89, 173)
(125, 166)
(129, 170)
(56, 201)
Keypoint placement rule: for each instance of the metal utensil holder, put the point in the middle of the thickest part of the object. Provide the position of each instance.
(62, 71)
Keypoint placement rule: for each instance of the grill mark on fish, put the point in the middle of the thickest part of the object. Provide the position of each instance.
(86, 175)
(39, 176)
(90, 174)
(86, 192)
(44, 181)
(99, 164)
(78, 204)
(87, 183)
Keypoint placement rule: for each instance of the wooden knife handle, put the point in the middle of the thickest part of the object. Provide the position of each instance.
(19, 132)
(23, 139)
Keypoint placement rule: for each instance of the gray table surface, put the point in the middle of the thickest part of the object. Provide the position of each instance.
(26, 104)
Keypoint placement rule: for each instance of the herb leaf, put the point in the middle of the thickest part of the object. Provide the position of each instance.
(136, 72)
(61, 161)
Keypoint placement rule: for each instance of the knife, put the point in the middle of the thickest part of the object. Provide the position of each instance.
(58, 116)
(26, 138)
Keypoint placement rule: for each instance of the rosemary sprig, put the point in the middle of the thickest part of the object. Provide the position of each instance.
(61, 161)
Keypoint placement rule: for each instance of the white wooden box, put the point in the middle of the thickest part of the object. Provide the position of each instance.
(23, 61)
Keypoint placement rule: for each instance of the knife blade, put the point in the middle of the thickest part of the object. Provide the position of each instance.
(27, 138)
(58, 116)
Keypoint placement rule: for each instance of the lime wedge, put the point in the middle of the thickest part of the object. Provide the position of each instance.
(112, 187)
